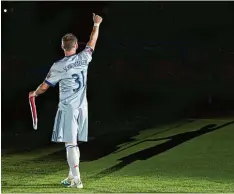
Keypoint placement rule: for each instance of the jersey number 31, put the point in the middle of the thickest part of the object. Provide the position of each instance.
(79, 79)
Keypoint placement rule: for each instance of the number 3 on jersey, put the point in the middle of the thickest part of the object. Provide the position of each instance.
(79, 79)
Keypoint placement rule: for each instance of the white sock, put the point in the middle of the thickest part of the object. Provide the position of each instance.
(73, 158)
(70, 175)
(78, 154)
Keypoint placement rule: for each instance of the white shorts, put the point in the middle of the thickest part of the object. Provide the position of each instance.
(71, 125)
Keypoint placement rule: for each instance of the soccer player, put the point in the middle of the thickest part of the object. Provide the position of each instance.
(71, 121)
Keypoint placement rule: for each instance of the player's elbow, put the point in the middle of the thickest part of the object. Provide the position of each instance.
(44, 86)
(92, 43)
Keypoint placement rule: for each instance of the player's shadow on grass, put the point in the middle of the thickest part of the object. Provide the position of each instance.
(103, 146)
(172, 142)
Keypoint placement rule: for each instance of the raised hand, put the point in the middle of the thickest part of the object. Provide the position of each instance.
(97, 19)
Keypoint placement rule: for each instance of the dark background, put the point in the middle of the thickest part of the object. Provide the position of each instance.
(155, 62)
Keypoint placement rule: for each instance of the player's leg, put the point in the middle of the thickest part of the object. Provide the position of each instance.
(63, 132)
(70, 139)
(73, 158)
(67, 181)
(70, 175)
(80, 131)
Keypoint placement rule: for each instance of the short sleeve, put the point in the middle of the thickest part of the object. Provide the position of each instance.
(87, 53)
(53, 77)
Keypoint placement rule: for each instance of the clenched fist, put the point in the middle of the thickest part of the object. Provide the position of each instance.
(97, 19)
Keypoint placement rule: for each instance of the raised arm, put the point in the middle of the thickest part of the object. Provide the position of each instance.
(94, 35)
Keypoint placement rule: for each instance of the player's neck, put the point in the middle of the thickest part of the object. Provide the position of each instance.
(69, 53)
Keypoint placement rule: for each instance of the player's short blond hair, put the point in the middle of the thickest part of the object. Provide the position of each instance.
(69, 42)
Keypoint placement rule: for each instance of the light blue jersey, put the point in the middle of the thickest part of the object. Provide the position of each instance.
(71, 73)
(71, 121)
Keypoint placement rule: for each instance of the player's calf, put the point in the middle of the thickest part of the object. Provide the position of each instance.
(73, 157)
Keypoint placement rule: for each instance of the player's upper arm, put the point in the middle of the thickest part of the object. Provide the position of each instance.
(92, 44)
(87, 53)
(54, 76)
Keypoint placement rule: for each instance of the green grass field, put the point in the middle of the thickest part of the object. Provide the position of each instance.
(149, 163)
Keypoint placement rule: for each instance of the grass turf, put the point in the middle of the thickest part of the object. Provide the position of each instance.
(149, 163)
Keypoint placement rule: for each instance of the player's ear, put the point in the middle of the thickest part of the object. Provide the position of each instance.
(62, 46)
(76, 46)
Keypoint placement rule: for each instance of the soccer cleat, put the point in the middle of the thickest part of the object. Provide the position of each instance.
(67, 181)
(78, 185)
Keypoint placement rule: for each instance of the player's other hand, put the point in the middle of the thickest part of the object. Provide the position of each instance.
(32, 94)
(97, 19)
